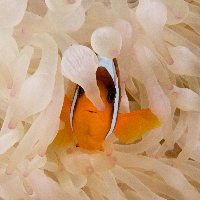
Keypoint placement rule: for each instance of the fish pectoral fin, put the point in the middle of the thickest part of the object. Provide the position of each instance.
(65, 113)
(64, 136)
(131, 126)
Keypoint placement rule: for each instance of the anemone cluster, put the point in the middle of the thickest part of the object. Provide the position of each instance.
(49, 46)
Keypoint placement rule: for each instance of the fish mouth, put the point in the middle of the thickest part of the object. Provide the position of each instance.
(91, 111)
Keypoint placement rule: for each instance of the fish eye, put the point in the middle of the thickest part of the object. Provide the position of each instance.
(111, 96)
(80, 91)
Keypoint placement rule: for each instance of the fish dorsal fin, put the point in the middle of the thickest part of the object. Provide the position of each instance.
(109, 65)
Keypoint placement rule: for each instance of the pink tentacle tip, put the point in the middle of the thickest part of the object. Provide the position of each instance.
(90, 170)
(113, 160)
(25, 174)
(29, 191)
(109, 154)
(69, 150)
(25, 30)
(178, 17)
(173, 165)
(115, 53)
(156, 157)
(135, 91)
(12, 125)
(171, 148)
(9, 86)
(8, 172)
(41, 153)
(175, 95)
(28, 157)
(13, 92)
(101, 108)
(170, 62)
(170, 87)
(71, 1)
(124, 80)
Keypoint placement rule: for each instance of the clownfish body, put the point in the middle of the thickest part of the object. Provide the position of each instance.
(91, 126)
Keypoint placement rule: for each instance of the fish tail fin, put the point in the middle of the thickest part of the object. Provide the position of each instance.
(131, 126)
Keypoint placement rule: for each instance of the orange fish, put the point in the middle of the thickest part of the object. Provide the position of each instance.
(90, 126)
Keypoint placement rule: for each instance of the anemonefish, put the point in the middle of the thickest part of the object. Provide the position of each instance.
(91, 127)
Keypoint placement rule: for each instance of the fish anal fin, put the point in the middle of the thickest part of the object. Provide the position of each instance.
(64, 137)
(65, 113)
(131, 126)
